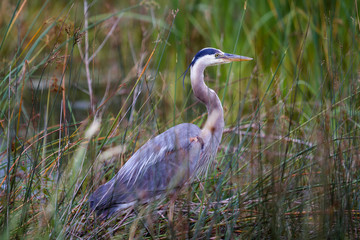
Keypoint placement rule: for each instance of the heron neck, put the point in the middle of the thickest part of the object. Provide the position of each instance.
(215, 121)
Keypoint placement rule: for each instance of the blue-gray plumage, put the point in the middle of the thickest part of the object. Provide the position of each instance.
(173, 158)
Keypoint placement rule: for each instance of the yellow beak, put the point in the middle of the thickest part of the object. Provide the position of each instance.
(235, 58)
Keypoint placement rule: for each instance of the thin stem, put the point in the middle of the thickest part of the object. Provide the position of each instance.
(86, 57)
(105, 39)
(8, 160)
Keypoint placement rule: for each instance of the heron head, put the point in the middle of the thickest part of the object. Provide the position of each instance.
(212, 56)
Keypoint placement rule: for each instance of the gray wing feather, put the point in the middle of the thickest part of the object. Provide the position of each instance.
(154, 150)
(164, 162)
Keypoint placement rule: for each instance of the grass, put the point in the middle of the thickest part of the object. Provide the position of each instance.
(79, 94)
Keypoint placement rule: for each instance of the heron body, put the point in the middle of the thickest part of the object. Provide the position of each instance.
(176, 156)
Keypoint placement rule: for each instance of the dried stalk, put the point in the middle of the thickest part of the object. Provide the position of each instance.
(87, 59)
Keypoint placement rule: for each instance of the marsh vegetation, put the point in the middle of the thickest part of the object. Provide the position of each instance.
(84, 84)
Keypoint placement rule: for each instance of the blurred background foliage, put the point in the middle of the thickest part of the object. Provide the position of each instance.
(288, 165)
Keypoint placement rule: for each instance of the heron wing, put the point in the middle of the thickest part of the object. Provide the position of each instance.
(163, 163)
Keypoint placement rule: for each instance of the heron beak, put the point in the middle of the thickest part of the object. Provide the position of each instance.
(235, 58)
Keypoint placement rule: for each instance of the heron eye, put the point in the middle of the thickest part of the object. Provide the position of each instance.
(217, 55)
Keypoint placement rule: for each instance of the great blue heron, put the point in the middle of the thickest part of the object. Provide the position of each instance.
(176, 156)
